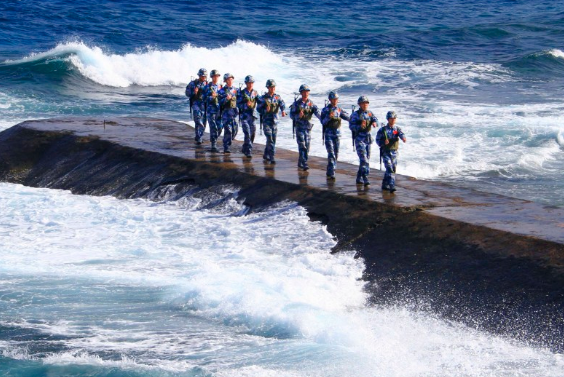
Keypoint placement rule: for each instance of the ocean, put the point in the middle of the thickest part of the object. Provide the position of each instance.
(96, 286)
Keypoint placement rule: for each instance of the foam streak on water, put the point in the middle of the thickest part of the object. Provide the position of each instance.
(95, 283)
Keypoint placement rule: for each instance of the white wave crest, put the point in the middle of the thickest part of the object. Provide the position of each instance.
(557, 53)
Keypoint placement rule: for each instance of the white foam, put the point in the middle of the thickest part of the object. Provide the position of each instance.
(557, 53)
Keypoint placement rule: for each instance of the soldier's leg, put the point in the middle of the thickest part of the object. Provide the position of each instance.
(388, 164)
(307, 138)
(214, 130)
(273, 149)
(300, 139)
(361, 152)
(253, 130)
(269, 141)
(247, 131)
(367, 164)
(330, 146)
(394, 164)
(227, 134)
(198, 123)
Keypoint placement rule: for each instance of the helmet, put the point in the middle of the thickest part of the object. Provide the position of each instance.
(362, 99)
(203, 72)
(304, 87)
(227, 75)
(214, 72)
(270, 82)
(249, 78)
(391, 114)
(333, 95)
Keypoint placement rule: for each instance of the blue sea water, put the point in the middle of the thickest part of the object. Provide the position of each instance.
(99, 287)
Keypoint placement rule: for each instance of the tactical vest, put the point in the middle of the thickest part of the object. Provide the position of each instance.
(213, 101)
(249, 99)
(369, 121)
(334, 122)
(274, 105)
(393, 144)
(307, 110)
(232, 103)
(200, 95)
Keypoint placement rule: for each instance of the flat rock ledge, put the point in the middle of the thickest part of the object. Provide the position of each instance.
(491, 262)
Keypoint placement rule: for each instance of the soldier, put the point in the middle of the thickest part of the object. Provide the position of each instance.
(301, 111)
(268, 106)
(331, 116)
(229, 111)
(212, 108)
(247, 102)
(388, 138)
(361, 123)
(195, 92)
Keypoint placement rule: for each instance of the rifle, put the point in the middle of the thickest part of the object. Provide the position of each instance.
(293, 109)
(323, 129)
(353, 133)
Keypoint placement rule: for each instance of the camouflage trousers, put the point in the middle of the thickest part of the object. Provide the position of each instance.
(303, 137)
(390, 159)
(199, 121)
(363, 146)
(215, 127)
(270, 130)
(332, 144)
(249, 129)
(230, 129)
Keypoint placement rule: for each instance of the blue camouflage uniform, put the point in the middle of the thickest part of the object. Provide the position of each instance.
(198, 106)
(247, 117)
(229, 113)
(302, 112)
(331, 120)
(213, 113)
(363, 140)
(268, 108)
(389, 152)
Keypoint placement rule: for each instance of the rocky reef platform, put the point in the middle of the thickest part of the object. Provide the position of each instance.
(491, 262)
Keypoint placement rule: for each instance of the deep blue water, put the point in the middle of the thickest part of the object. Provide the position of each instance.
(477, 85)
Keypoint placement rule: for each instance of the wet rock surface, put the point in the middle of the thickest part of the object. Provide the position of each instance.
(492, 262)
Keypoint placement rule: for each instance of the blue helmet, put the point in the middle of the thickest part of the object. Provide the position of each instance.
(363, 99)
(270, 82)
(249, 79)
(333, 95)
(391, 114)
(304, 87)
(203, 72)
(214, 72)
(227, 76)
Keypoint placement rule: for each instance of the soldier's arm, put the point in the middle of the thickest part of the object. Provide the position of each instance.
(316, 112)
(282, 106)
(344, 115)
(401, 135)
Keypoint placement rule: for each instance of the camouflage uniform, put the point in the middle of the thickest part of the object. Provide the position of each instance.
(247, 117)
(197, 101)
(331, 119)
(213, 113)
(229, 113)
(363, 140)
(389, 153)
(301, 112)
(268, 108)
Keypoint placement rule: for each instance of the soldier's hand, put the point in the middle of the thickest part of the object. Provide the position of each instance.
(214, 94)
(363, 124)
(301, 113)
(404, 140)
(229, 96)
(331, 114)
(283, 113)
(196, 90)
(249, 104)
(387, 142)
(268, 107)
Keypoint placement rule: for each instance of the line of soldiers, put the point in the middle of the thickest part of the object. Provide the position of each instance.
(225, 107)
